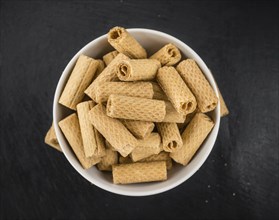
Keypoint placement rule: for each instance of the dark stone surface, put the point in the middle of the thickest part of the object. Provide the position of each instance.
(238, 41)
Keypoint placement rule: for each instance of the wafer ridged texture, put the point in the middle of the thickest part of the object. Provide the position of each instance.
(158, 92)
(147, 147)
(107, 75)
(223, 107)
(139, 172)
(177, 91)
(110, 158)
(113, 130)
(101, 67)
(93, 142)
(168, 55)
(125, 43)
(171, 138)
(140, 129)
(134, 70)
(51, 139)
(172, 115)
(193, 137)
(109, 57)
(80, 78)
(136, 89)
(71, 130)
(135, 108)
(195, 79)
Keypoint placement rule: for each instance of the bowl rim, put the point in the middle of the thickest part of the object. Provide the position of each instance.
(80, 170)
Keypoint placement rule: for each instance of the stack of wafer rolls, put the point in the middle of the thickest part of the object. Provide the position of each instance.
(140, 115)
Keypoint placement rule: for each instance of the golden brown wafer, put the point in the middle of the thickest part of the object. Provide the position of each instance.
(224, 111)
(80, 78)
(171, 138)
(134, 70)
(177, 91)
(71, 130)
(107, 75)
(135, 108)
(93, 142)
(172, 115)
(168, 55)
(195, 79)
(125, 43)
(110, 158)
(139, 172)
(140, 129)
(147, 147)
(101, 67)
(51, 139)
(158, 92)
(109, 57)
(193, 136)
(113, 130)
(136, 89)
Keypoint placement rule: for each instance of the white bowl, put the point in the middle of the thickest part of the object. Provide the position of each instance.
(151, 40)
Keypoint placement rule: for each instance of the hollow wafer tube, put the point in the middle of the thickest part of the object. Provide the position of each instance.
(107, 75)
(140, 129)
(195, 79)
(168, 55)
(224, 111)
(51, 139)
(113, 130)
(193, 137)
(135, 89)
(93, 142)
(110, 158)
(177, 91)
(135, 108)
(80, 78)
(171, 138)
(109, 57)
(139, 172)
(162, 156)
(172, 115)
(125, 43)
(134, 70)
(71, 129)
(101, 67)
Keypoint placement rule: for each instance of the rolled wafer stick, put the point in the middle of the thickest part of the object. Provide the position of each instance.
(193, 136)
(107, 75)
(224, 111)
(101, 67)
(113, 130)
(51, 139)
(134, 70)
(71, 130)
(195, 79)
(139, 172)
(110, 158)
(109, 57)
(147, 147)
(171, 138)
(172, 115)
(177, 91)
(137, 89)
(80, 78)
(168, 55)
(140, 129)
(93, 142)
(158, 92)
(135, 108)
(125, 43)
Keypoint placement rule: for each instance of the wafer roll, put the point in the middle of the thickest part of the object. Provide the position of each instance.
(80, 78)
(135, 108)
(137, 89)
(107, 75)
(71, 130)
(139, 172)
(134, 70)
(177, 91)
(194, 78)
(223, 107)
(140, 129)
(109, 57)
(125, 43)
(172, 115)
(193, 136)
(101, 67)
(113, 130)
(110, 158)
(168, 55)
(147, 147)
(162, 156)
(171, 138)
(158, 92)
(51, 139)
(93, 142)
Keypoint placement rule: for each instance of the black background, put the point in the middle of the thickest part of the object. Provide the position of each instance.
(239, 43)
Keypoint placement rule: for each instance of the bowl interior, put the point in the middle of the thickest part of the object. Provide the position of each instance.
(152, 41)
